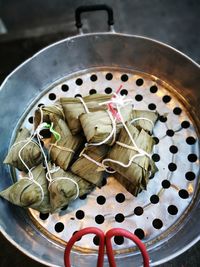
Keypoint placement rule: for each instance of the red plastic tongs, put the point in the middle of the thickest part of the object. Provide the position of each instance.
(105, 240)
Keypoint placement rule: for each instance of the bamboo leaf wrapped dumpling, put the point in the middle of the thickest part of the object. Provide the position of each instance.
(42, 114)
(63, 150)
(66, 187)
(144, 119)
(99, 125)
(88, 165)
(134, 187)
(27, 148)
(74, 107)
(29, 194)
(125, 159)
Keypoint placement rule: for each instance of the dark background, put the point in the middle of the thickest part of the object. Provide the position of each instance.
(33, 24)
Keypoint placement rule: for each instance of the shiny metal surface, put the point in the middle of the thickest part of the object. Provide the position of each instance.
(80, 57)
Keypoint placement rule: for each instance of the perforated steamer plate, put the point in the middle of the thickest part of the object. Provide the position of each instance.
(153, 214)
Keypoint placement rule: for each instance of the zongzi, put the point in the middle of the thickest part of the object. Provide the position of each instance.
(88, 165)
(25, 152)
(30, 192)
(144, 119)
(65, 187)
(132, 160)
(74, 107)
(63, 149)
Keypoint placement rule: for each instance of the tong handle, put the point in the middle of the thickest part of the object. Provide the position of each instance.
(122, 232)
(77, 236)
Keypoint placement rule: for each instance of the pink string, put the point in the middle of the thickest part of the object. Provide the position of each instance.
(112, 109)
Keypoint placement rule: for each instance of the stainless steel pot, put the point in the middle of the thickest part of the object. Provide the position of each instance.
(158, 77)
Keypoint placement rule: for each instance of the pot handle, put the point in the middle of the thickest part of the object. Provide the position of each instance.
(88, 8)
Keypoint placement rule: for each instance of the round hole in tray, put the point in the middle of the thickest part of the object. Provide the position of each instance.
(190, 176)
(166, 184)
(152, 106)
(177, 111)
(123, 92)
(139, 82)
(172, 209)
(79, 81)
(40, 105)
(124, 78)
(109, 76)
(52, 96)
(185, 124)
(96, 240)
(44, 216)
(64, 87)
(78, 95)
(156, 139)
(153, 89)
(120, 198)
(101, 200)
(157, 223)
(172, 167)
(170, 132)
(93, 78)
(183, 193)
(108, 90)
(83, 197)
(119, 217)
(139, 233)
(190, 140)
(155, 157)
(154, 199)
(119, 240)
(92, 91)
(138, 98)
(59, 227)
(166, 99)
(99, 219)
(138, 211)
(173, 149)
(75, 233)
(192, 157)
(80, 214)
(162, 118)
(30, 119)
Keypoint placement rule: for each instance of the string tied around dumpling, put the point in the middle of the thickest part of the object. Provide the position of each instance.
(30, 174)
(55, 169)
(84, 104)
(111, 135)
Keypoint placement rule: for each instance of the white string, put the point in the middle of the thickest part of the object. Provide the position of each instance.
(121, 163)
(60, 109)
(22, 141)
(69, 179)
(62, 148)
(119, 101)
(84, 104)
(144, 153)
(142, 118)
(31, 178)
(92, 160)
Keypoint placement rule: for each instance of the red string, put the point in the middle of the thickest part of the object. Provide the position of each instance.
(77, 236)
(105, 239)
(124, 233)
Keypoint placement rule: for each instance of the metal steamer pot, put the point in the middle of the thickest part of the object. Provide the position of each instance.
(156, 76)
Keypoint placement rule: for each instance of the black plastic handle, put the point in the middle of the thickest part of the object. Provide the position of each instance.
(82, 9)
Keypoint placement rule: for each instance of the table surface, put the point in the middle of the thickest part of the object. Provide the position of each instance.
(173, 22)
